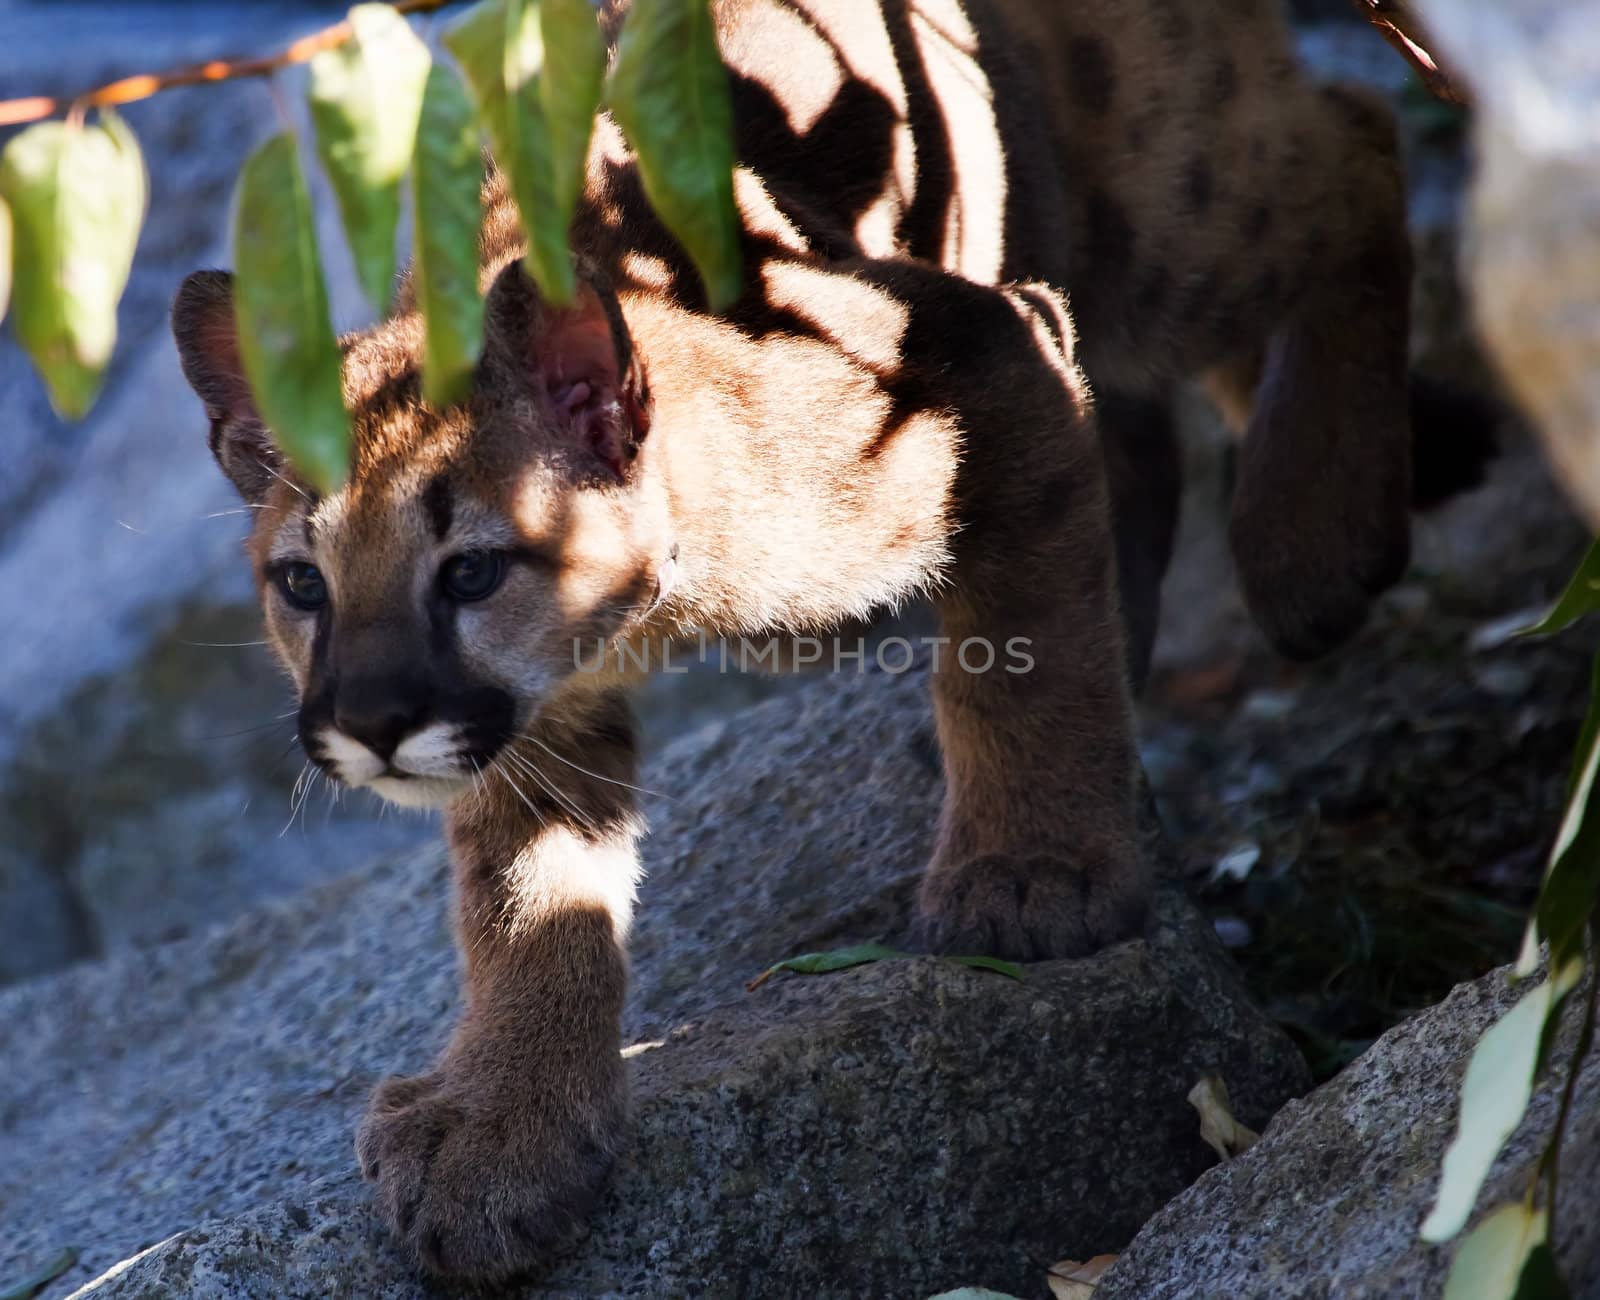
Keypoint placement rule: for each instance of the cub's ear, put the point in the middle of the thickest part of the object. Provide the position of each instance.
(579, 362)
(208, 347)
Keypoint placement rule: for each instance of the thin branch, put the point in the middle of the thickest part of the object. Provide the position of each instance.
(34, 108)
(1400, 27)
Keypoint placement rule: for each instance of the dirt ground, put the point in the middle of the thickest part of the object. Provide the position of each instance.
(1368, 831)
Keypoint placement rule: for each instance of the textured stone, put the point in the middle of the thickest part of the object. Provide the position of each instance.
(1329, 1202)
(894, 1129)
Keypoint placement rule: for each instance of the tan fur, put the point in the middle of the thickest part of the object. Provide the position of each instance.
(900, 404)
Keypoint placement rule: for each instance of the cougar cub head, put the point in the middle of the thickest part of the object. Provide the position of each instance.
(430, 610)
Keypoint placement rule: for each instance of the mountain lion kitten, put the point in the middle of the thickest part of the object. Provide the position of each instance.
(962, 218)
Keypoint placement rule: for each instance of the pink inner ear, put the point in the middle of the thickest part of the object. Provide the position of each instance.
(578, 364)
(569, 397)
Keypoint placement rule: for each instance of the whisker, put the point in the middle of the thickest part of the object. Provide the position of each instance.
(517, 790)
(577, 767)
(561, 798)
(287, 483)
(223, 645)
(238, 510)
(295, 797)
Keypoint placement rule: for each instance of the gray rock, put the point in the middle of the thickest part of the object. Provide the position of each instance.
(893, 1130)
(144, 775)
(1329, 1202)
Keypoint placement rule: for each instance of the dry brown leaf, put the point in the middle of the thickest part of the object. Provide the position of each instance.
(1070, 1280)
(1222, 1133)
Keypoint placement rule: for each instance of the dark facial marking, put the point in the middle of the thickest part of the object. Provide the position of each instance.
(1256, 224)
(1093, 76)
(436, 500)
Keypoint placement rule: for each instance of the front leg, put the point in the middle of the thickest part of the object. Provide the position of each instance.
(1037, 854)
(490, 1159)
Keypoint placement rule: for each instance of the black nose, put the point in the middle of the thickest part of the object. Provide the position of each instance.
(379, 716)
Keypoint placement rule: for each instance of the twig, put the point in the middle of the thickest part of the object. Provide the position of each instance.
(34, 108)
(1400, 27)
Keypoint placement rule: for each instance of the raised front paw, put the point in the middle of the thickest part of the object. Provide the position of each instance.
(1031, 908)
(483, 1183)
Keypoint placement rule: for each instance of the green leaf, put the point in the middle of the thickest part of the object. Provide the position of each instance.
(669, 94)
(77, 196)
(1494, 1097)
(30, 1286)
(445, 186)
(1491, 1258)
(499, 47)
(289, 352)
(569, 91)
(820, 963)
(1009, 969)
(366, 95)
(1540, 1278)
(5, 258)
(1581, 597)
(1571, 888)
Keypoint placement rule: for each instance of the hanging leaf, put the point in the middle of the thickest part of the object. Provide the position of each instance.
(366, 95)
(1491, 1259)
(669, 94)
(77, 198)
(447, 176)
(1571, 889)
(569, 90)
(499, 47)
(1494, 1097)
(5, 258)
(1582, 596)
(289, 352)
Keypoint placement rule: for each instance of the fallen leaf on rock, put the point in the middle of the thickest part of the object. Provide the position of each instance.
(1222, 1133)
(1070, 1280)
(820, 963)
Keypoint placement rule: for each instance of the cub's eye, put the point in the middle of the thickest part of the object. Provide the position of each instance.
(302, 585)
(472, 575)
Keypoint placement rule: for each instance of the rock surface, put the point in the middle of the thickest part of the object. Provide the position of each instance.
(144, 751)
(895, 1129)
(1329, 1202)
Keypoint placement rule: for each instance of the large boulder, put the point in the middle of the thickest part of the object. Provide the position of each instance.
(144, 733)
(1329, 1202)
(893, 1129)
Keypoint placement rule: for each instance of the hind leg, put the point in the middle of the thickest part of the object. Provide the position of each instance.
(1144, 470)
(1320, 522)
(1038, 853)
